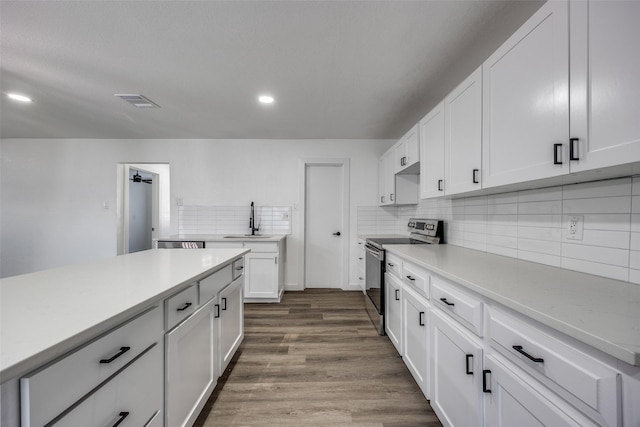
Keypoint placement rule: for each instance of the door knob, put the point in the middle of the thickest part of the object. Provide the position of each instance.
(337, 233)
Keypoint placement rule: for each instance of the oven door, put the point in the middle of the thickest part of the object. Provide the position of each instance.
(374, 264)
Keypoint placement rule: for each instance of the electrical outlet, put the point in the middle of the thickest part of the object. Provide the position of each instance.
(576, 227)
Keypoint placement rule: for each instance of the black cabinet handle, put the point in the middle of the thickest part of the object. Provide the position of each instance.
(337, 233)
(519, 349)
(224, 304)
(185, 306)
(469, 371)
(391, 197)
(556, 156)
(444, 300)
(421, 318)
(484, 380)
(121, 418)
(217, 315)
(381, 199)
(397, 298)
(475, 176)
(573, 149)
(122, 351)
(390, 264)
(241, 267)
(440, 185)
(411, 278)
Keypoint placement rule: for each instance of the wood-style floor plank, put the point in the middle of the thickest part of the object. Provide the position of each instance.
(315, 360)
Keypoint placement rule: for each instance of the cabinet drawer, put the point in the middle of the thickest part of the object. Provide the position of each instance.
(416, 278)
(238, 268)
(464, 307)
(134, 396)
(262, 246)
(49, 391)
(393, 265)
(181, 305)
(586, 379)
(211, 285)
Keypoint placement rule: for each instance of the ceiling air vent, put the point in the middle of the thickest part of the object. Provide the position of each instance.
(137, 100)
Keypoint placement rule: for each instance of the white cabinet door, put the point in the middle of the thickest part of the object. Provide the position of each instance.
(407, 152)
(432, 153)
(393, 311)
(190, 365)
(526, 101)
(605, 88)
(415, 311)
(456, 373)
(463, 135)
(261, 272)
(517, 400)
(390, 178)
(382, 181)
(231, 322)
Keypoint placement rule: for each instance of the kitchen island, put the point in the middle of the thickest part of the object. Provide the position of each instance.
(48, 316)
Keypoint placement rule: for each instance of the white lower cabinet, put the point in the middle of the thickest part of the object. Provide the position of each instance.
(190, 366)
(262, 275)
(513, 398)
(456, 394)
(230, 322)
(415, 318)
(132, 398)
(393, 311)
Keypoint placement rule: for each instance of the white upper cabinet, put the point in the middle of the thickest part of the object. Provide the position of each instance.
(526, 101)
(605, 83)
(432, 153)
(407, 152)
(463, 135)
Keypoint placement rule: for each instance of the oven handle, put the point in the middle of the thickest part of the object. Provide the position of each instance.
(374, 252)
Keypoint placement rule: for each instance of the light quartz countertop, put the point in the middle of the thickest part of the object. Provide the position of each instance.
(45, 314)
(222, 238)
(601, 312)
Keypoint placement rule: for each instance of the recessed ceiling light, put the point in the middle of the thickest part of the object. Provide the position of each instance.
(18, 97)
(266, 99)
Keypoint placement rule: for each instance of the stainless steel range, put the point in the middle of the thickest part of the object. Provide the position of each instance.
(421, 231)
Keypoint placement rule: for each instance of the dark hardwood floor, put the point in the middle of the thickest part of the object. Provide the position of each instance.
(315, 360)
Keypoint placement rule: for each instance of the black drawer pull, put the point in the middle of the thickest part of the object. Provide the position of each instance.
(444, 300)
(469, 371)
(122, 351)
(390, 264)
(440, 185)
(241, 267)
(224, 304)
(421, 318)
(217, 315)
(484, 381)
(121, 418)
(519, 349)
(185, 306)
(397, 298)
(413, 279)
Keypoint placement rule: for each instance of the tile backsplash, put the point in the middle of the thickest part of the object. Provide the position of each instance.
(233, 219)
(533, 225)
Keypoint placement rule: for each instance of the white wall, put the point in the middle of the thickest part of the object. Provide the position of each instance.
(53, 190)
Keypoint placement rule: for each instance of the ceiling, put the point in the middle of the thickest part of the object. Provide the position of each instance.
(337, 69)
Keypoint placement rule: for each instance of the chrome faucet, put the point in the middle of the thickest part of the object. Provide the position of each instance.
(252, 221)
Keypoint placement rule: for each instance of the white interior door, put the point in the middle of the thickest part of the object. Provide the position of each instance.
(323, 221)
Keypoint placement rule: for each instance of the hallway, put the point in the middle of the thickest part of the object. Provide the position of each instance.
(316, 360)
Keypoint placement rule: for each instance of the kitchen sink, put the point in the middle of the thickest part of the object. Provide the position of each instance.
(247, 236)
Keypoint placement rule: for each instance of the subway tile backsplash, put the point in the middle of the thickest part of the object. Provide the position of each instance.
(233, 219)
(533, 225)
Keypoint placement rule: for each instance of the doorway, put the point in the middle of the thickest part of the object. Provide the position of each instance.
(143, 205)
(325, 223)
